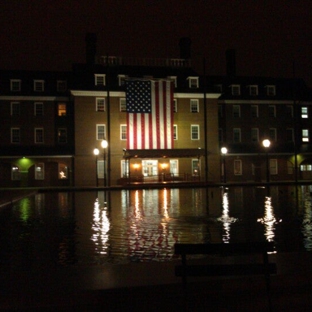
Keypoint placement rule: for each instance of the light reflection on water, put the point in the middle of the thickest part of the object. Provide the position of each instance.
(269, 221)
(94, 228)
(225, 218)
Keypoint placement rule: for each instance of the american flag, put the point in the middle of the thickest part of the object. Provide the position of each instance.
(149, 114)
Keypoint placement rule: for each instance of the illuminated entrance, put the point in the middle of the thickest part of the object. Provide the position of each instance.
(150, 168)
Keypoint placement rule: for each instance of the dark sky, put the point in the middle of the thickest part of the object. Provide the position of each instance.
(267, 35)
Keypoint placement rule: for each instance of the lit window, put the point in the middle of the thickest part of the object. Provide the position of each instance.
(304, 112)
(123, 132)
(100, 105)
(305, 135)
(15, 109)
(39, 138)
(62, 135)
(307, 167)
(61, 86)
(39, 171)
(39, 85)
(99, 80)
(195, 132)
(15, 173)
(61, 109)
(123, 105)
(100, 132)
(124, 168)
(38, 109)
(15, 85)
(303, 168)
(63, 171)
(195, 167)
(15, 135)
(194, 106)
(174, 167)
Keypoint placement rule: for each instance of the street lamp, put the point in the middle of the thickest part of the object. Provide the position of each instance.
(266, 143)
(224, 152)
(96, 152)
(104, 145)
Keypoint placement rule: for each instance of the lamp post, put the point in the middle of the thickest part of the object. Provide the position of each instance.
(266, 143)
(104, 145)
(96, 153)
(223, 153)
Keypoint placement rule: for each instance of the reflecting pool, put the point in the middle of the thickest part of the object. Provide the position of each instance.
(94, 228)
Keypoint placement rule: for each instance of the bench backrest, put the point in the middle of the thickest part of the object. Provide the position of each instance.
(224, 249)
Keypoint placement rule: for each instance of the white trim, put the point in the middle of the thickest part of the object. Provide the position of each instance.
(39, 157)
(33, 98)
(123, 94)
(196, 95)
(267, 102)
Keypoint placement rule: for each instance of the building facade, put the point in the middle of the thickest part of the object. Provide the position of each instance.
(252, 110)
(36, 129)
(53, 122)
(99, 99)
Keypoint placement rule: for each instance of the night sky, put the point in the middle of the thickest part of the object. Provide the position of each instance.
(269, 36)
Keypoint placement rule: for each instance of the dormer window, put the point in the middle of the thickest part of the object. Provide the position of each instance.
(271, 90)
(193, 82)
(253, 90)
(39, 85)
(15, 85)
(99, 80)
(235, 89)
(174, 79)
(61, 86)
(121, 80)
(217, 88)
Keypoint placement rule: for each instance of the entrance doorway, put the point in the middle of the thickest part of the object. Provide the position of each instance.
(150, 169)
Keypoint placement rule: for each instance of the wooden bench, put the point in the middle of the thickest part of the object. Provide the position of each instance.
(249, 266)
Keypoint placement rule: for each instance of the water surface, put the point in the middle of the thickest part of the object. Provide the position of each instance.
(95, 228)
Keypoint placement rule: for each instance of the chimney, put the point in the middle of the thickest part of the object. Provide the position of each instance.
(185, 48)
(90, 48)
(230, 62)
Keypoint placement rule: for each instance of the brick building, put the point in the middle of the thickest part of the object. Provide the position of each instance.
(51, 122)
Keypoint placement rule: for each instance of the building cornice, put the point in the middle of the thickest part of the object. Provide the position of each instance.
(33, 98)
(123, 94)
(268, 101)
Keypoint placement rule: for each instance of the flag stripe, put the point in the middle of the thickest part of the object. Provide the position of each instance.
(151, 130)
